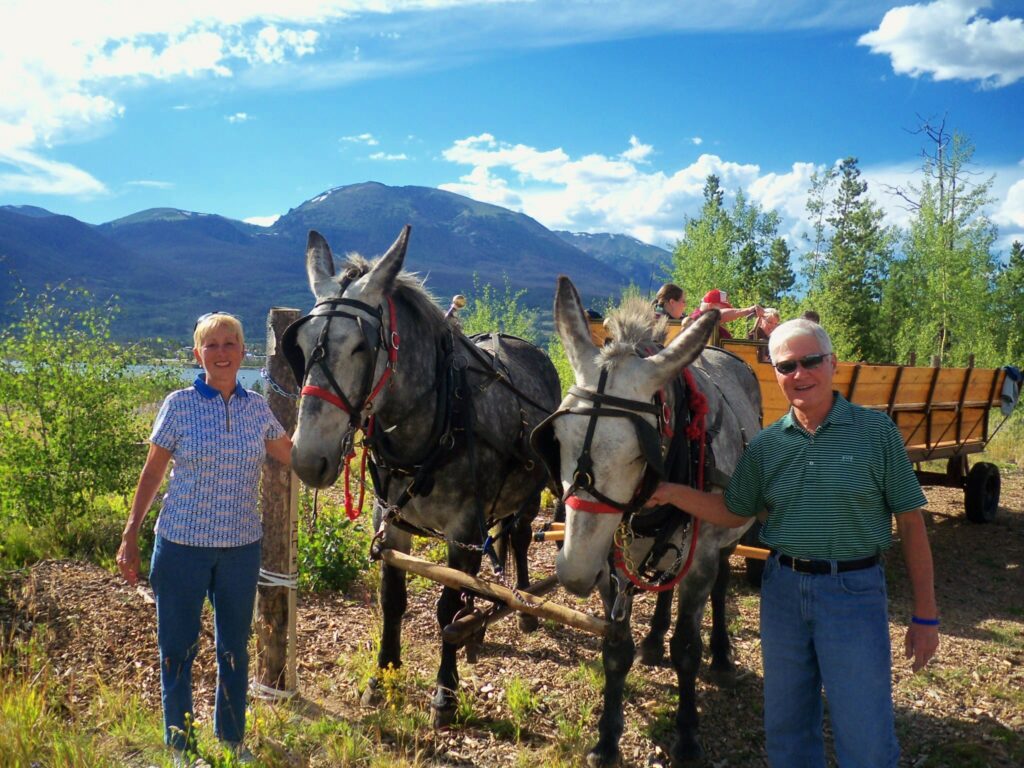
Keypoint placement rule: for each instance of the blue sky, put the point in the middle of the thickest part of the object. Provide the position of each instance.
(587, 115)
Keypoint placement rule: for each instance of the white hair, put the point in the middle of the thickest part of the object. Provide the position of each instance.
(794, 328)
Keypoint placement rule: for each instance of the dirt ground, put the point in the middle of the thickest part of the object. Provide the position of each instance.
(966, 710)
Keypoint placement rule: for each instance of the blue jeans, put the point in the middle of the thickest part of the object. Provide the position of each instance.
(182, 578)
(832, 631)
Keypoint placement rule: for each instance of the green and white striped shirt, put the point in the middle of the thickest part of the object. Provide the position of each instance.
(829, 495)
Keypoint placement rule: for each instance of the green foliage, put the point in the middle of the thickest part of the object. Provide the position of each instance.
(522, 702)
(488, 312)
(70, 428)
(561, 362)
(849, 274)
(944, 287)
(736, 250)
(1009, 306)
(333, 550)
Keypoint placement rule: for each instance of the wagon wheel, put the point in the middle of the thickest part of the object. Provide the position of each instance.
(755, 567)
(981, 496)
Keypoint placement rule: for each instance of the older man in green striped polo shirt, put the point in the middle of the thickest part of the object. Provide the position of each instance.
(829, 477)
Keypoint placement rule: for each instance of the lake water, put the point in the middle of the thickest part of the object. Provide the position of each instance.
(246, 376)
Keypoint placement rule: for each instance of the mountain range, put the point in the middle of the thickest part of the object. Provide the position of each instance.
(166, 266)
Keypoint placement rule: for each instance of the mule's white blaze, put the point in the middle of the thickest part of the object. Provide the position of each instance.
(584, 553)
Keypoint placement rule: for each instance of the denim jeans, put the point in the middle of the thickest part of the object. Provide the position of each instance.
(832, 631)
(182, 578)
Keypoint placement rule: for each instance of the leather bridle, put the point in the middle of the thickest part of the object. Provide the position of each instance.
(649, 437)
(370, 320)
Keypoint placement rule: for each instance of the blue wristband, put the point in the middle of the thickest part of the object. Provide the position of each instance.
(924, 622)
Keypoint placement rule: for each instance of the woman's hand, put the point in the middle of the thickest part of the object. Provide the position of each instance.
(128, 558)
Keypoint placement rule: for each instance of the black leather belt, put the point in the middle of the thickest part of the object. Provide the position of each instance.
(801, 565)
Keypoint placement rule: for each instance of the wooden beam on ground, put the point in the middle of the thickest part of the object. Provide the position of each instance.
(754, 553)
(465, 627)
(519, 601)
(279, 502)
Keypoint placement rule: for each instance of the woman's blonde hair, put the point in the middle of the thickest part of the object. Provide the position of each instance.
(214, 321)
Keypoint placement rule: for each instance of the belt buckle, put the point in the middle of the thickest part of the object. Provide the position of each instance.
(806, 568)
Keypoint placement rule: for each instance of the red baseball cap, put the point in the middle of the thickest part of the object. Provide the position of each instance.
(717, 297)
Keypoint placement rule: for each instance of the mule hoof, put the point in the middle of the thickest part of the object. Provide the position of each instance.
(472, 649)
(528, 623)
(597, 759)
(688, 754)
(371, 697)
(652, 654)
(443, 718)
(723, 677)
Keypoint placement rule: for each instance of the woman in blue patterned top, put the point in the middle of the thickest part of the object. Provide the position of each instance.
(208, 532)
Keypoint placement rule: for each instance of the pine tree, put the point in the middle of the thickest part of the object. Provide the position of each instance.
(852, 269)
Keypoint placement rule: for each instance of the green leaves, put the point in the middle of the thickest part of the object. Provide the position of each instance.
(70, 409)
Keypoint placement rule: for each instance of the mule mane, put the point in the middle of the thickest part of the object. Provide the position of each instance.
(631, 324)
(408, 287)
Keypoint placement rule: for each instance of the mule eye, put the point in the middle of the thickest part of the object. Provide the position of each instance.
(360, 347)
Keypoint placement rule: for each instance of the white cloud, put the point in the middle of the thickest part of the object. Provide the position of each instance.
(592, 193)
(637, 152)
(595, 193)
(150, 184)
(238, 117)
(696, 141)
(950, 40)
(388, 157)
(362, 138)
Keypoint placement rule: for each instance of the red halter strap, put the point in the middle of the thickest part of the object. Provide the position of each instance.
(394, 341)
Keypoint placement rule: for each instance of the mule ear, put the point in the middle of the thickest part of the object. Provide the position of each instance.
(572, 327)
(382, 277)
(320, 266)
(683, 350)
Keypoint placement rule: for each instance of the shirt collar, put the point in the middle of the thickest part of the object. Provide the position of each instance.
(840, 413)
(209, 392)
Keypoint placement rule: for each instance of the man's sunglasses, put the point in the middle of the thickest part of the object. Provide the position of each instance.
(808, 363)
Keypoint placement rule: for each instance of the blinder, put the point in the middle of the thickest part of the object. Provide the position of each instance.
(370, 320)
(545, 445)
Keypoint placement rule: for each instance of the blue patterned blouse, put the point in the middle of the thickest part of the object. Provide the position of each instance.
(218, 449)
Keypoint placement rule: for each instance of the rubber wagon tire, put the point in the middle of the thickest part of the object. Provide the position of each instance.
(981, 495)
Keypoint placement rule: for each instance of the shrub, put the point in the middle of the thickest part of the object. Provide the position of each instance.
(333, 550)
(70, 431)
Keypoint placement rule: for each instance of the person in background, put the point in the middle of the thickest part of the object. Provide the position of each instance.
(671, 301)
(762, 329)
(208, 533)
(717, 299)
(765, 324)
(811, 315)
(830, 477)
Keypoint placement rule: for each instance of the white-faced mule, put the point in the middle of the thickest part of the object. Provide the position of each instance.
(637, 415)
(446, 422)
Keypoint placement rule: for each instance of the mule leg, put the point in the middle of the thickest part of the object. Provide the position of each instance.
(519, 539)
(686, 648)
(722, 670)
(617, 653)
(446, 695)
(393, 602)
(652, 647)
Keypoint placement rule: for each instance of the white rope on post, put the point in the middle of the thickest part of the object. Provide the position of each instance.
(272, 579)
(266, 693)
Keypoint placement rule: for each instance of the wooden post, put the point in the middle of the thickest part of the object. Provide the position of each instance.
(279, 498)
